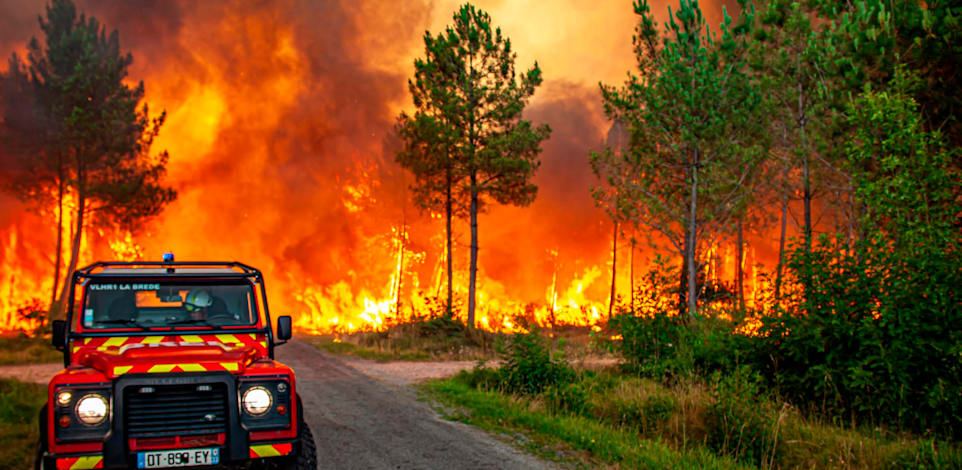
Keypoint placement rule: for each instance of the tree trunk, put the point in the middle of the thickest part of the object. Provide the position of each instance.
(448, 213)
(58, 257)
(781, 248)
(614, 268)
(400, 269)
(739, 261)
(472, 283)
(62, 306)
(806, 177)
(691, 240)
(631, 274)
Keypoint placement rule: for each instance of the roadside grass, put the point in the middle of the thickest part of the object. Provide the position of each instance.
(19, 405)
(26, 350)
(443, 339)
(434, 339)
(565, 437)
(625, 421)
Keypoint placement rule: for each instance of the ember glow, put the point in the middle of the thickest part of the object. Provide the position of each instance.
(279, 130)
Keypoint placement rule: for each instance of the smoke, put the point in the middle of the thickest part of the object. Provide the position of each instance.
(279, 128)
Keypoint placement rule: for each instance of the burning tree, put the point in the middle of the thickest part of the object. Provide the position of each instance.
(94, 135)
(692, 116)
(467, 142)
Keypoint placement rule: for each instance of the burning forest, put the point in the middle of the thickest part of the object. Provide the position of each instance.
(280, 133)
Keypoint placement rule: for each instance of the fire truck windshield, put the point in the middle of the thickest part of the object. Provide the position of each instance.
(135, 304)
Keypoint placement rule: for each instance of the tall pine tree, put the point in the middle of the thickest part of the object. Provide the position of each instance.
(469, 119)
(692, 112)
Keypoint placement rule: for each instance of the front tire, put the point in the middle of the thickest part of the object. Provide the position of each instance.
(41, 440)
(306, 458)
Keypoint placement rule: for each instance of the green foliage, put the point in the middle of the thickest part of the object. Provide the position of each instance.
(467, 141)
(876, 336)
(928, 454)
(663, 347)
(566, 398)
(691, 112)
(739, 420)
(530, 366)
(19, 406)
(24, 350)
(575, 436)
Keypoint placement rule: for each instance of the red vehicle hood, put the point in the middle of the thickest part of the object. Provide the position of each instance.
(168, 357)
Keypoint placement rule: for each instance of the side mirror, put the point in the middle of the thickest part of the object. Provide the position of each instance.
(59, 337)
(284, 331)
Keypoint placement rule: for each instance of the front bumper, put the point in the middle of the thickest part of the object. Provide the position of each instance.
(257, 450)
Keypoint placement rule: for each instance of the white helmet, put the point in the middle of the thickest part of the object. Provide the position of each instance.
(198, 299)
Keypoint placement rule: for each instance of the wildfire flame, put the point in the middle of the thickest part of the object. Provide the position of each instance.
(279, 121)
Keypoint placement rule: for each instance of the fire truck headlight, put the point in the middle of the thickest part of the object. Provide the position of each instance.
(64, 397)
(257, 400)
(92, 409)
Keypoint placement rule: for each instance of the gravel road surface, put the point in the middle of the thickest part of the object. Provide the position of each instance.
(365, 414)
(360, 422)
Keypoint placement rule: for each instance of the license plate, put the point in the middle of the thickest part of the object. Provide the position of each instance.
(178, 458)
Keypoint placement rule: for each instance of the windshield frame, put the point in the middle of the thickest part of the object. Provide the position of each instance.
(129, 271)
(136, 324)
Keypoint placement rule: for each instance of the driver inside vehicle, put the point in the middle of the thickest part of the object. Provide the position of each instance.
(201, 305)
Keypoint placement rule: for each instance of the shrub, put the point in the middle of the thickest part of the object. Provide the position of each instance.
(740, 418)
(662, 347)
(656, 346)
(481, 377)
(530, 367)
(567, 397)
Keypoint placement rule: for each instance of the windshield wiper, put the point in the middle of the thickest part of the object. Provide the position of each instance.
(126, 322)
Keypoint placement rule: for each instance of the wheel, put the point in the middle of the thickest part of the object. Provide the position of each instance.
(41, 440)
(306, 458)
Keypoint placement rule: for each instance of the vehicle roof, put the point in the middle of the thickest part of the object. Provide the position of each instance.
(163, 271)
(168, 269)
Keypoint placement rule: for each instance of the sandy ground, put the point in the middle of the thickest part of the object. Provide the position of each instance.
(36, 373)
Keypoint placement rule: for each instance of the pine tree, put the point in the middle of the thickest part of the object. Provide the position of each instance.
(692, 112)
(470, 102)
(97, 135)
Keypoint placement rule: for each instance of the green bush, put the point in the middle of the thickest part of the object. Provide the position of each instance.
(740, 418)
(529, 366)
(662, 347)
(566, 397)
(481, 378)
(19, 405)
(928, 455)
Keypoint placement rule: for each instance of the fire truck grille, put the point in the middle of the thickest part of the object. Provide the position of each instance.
(175, 410)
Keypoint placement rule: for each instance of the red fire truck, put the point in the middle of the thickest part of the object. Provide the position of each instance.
(171, 364)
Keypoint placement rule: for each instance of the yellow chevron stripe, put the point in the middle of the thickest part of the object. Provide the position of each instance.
(192, 367)
(85, 463)
(228, 339)
(192, 339)
(265, 450)
(231, 366)
(87, 340)
(115, 341)
(121, 370)
(161, 368)
(152, 339)
(253, 336)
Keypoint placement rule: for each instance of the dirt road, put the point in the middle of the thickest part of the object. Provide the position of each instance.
(365, 415)
(362, 422)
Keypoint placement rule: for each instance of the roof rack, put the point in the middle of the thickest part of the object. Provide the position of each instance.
(99, 267)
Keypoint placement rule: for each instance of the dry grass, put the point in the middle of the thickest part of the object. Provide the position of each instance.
(680, 416)
(25, 350)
